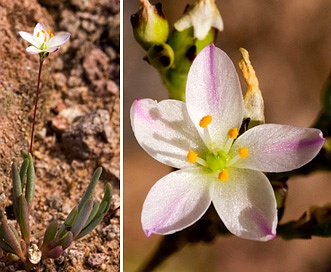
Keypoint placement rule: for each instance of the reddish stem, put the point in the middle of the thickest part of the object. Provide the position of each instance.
(35, 105)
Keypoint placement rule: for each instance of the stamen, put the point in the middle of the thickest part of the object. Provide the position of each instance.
(45, 39)
(233, 133)
(52, 35)
(48, 31)
(192, 156)
(223, 175)
(243, 152)
(43, 31)
(38, 34)
(205, 121)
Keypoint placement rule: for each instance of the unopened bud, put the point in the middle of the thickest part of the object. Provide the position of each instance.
(149, 25)
(254, 105)
(161, 56)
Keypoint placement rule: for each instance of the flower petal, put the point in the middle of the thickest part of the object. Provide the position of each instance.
(33, 50)
(176, 201)
(29, 38)
(278, 148)
(52, 49)
(58, 39)
(165, 131)
(246, 204)
(38, 28)
(203, 15)
(213, 88)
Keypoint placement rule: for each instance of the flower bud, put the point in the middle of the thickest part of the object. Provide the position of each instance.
(149, 25)
(161, 56)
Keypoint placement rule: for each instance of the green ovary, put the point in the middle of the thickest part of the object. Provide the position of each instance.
(217, 161)
(43, 46)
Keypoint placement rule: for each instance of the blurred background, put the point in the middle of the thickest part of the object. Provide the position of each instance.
(290, 47)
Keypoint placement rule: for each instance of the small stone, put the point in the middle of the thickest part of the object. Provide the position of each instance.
(59, 123)
(89, 137)
(96, 260)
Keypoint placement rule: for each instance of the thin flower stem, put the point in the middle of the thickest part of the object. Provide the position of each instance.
(36, 104)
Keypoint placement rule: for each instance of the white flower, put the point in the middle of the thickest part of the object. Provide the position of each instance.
(216, 164)
(202, 16)
(43, 40)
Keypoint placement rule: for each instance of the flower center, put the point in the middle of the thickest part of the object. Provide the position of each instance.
(218, 161)
(46, 35)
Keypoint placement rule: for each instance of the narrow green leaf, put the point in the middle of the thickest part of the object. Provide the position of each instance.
(23, 218)
(102, 208)
(107, 197)
(68, 222)
(82, 217)
(10, 237)
(23, 171)
(3, 243)
(31, 181)
(66, 240)
(93, 213)
(55, 252)
(90, 189)
(17, 188)
(50, 233)
(96, 221)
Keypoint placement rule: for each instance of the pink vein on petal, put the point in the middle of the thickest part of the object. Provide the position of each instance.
(293, 145)
(166, 216)
(212, 75)
(263, 224)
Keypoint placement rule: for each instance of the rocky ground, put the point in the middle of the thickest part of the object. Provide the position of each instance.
(78, 120)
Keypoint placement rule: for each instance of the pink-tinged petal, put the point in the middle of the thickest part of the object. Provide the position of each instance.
(165, 131)
(176, 201)
(246, 204)
(29, 38)
(58, 39)
(52, 49)
(34, 50)
(213, 88)
(278, 148)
